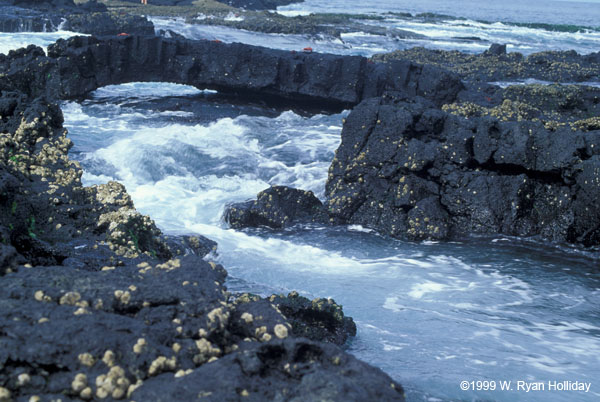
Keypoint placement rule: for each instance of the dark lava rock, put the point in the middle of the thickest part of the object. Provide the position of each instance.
(259, 4)
(573, 106)
(494, 65)
(276, 207)
(90, 17)
(282, 370)
(318, 320)
(410, 170)
(315, 25)
(103, 24)
(79, 65)
(44, 4)
(16, 19)
(496, 49)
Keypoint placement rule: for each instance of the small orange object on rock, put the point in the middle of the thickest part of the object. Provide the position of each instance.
(307, 49)
(123, 34)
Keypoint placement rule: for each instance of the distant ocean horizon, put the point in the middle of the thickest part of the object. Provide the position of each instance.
(583, 13)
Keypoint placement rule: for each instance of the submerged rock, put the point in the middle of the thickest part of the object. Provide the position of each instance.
(276, 207)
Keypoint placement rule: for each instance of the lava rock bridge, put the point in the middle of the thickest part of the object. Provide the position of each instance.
(78, 65)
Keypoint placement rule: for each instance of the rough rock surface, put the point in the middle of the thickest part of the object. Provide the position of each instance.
(310, 371)
(556, 105)
(90, 18)
(313, 24)
(79, 65)
(496, 65)
(259, 4)
(319, 319)
(409, 169)
(277, 207)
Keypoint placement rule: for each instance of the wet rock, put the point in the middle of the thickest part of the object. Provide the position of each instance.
(333, 25)
(79, 65)
(318, 320)
(496, 49)
(8, 257)
(291, 369)
(191, 244)
(90, 17)
(276, 207)
(43, 200)
(256, 318)
(104, 23)
(553, 105)
(413, 171)
(16, 19)
(552, 66)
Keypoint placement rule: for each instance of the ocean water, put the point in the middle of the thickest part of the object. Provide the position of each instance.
(583, 13)
(468, 35)
(430, 314)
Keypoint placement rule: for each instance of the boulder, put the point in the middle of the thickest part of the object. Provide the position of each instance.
(276, 207)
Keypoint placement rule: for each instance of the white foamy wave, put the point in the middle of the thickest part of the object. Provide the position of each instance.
(138, 90)
(15, 40)
(420, 289)
(263, 254)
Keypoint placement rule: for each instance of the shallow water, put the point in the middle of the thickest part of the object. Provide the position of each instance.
(429, 314)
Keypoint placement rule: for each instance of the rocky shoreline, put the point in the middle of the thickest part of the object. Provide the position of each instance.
(98, 303)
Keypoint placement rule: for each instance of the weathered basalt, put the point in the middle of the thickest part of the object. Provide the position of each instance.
(495, 65)
(276, 207)
(259, 4)
(314, 24)
(411, 170)
(76, 66)
(256, 372)
(319, 319)
(89, 18)
(573, 106)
